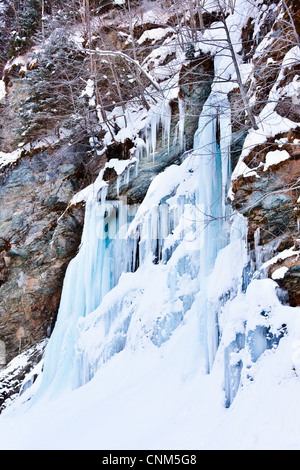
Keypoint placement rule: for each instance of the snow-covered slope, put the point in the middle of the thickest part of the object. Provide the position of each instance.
(160, 399)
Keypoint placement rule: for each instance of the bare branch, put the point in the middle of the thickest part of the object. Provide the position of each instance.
(128, 59)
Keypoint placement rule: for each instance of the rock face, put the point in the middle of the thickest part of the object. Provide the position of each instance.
(268, 192)
(195, 85)
(269, 200)
(39, 235)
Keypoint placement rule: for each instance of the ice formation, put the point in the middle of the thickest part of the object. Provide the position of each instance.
(166, 248)
(141, 270)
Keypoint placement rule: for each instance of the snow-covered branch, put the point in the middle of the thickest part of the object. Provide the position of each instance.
(128, 59)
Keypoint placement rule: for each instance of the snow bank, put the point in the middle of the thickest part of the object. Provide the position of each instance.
(2, 90)
(7, 158)
(160, 399)
(280, 273)
(273, 158)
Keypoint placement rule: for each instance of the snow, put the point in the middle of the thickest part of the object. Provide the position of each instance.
(21, 61)
(113, 418)
(9, 157)
(89, 91)
(242, 169)
(152, 13)
(2, 90)
(159, 399)
(280, 273)
(154, 34)
(275, 157)
(119, 165)
(90, 192)
(281, 256)
(140, 369)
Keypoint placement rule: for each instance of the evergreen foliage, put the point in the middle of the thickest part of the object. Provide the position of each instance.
(27, 22)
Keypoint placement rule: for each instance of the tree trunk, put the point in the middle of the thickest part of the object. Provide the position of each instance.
(238, 74)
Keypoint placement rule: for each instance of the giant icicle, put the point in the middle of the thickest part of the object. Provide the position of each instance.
(212, 145)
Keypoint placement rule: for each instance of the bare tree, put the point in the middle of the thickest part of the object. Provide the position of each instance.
(290, 22)
(237, 69)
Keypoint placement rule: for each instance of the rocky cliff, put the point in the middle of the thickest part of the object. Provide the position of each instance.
(39, 236)
(266, 190)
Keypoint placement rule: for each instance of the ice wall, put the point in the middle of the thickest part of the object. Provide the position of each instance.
(141, 271)
(174, 237)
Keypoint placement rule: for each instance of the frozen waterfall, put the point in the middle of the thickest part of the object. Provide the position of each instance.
(181, 226)
(141, 270)
(212, 146)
